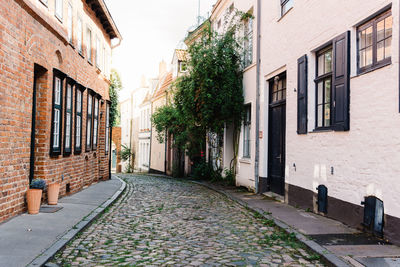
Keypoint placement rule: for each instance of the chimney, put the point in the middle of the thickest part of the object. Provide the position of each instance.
(162, 68)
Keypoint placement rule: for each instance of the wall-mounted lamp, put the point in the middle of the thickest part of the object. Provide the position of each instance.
(294, 166)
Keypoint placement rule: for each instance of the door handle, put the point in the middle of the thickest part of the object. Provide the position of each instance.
(280, 158)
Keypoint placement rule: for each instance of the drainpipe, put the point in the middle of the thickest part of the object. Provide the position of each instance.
(151, 134)
(166, 137)
(109, 150)
(257, 152)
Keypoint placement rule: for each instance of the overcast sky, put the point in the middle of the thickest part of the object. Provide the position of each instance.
(151, 30)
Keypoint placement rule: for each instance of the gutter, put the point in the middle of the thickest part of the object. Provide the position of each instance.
(257, 139)
(116, 45)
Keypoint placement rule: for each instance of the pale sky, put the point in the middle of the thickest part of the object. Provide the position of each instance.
(151, 30)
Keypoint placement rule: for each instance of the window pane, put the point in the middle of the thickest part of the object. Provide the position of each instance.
(380, 51)
(380, 28)
(362, 39)
(284, 94)
(321, 64)
(368, 56)
(69, 22)
(368, 38)
(88, 132)
(327, 116)
(362, 58)
(328, 61)
(320, 92)
(69, 96)
(327, 91)
(57, 97)
(319, 116)
(388, 47)
(388, 26)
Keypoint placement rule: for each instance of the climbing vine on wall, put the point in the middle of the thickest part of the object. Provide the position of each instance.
(210, 96)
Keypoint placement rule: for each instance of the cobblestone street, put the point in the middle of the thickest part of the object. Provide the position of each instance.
(160, 221)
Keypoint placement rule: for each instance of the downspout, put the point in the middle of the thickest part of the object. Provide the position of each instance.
(151, 135)
(110, 152)
(166, 137)
(257, 139)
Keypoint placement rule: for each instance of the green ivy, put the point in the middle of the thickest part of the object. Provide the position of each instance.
(115, 87)
(210, 96)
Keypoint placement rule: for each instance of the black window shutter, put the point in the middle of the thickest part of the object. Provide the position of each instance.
(302, 95)
(341, 82)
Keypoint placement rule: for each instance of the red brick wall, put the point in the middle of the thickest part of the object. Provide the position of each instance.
(26, 39)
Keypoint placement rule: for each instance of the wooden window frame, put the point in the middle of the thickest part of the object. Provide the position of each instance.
(246, 137)
(89, 44)
(70, 22)
(68, 111)
(98, 51)
(89, 120)
(375, 64)
(283, 3)
(56, 150)
(79, 36)
(96, 122)
(59, 16)
(81, 89)
(248, 42)
(107, 148)
(322, 78)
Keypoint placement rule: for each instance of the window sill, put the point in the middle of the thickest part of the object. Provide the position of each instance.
(80, 53)
(245, 160)
(284, 15)
(58, 18)
(249, 67)
(327, 130)
(70, 43)
(360, 73)
(90, 62)
(44, 3)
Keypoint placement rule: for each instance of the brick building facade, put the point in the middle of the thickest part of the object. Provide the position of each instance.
(52, 89)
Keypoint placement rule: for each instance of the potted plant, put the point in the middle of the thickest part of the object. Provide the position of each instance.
(34, 195)
(52, 193)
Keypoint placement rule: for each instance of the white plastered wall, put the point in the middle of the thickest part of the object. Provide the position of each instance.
(365, 160)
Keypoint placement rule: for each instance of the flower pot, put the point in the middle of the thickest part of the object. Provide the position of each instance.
(52, 193)
(34, 198)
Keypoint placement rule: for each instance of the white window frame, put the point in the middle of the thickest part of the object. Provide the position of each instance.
(58, 9)
(70, 22)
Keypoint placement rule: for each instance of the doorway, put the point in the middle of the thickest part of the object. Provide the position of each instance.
(39, 77)
(277, 134)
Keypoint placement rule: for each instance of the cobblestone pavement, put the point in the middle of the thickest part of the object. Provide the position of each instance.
(161, 221)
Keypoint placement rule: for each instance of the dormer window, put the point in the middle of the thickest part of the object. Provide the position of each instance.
(182, 67)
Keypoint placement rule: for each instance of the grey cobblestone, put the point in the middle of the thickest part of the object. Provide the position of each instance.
(160, 221)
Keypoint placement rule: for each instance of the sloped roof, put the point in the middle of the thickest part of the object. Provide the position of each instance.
(163, 85)
(181, 54)
(104, 15)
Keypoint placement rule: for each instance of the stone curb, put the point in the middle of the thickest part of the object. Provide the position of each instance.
(328, 257)
(68, 236)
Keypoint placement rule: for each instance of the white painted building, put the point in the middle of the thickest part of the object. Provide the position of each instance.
(130, 120)
(329, 106)
(222, 14)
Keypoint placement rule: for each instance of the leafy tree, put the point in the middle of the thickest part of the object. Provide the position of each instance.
(115, 88)
(210, 96)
